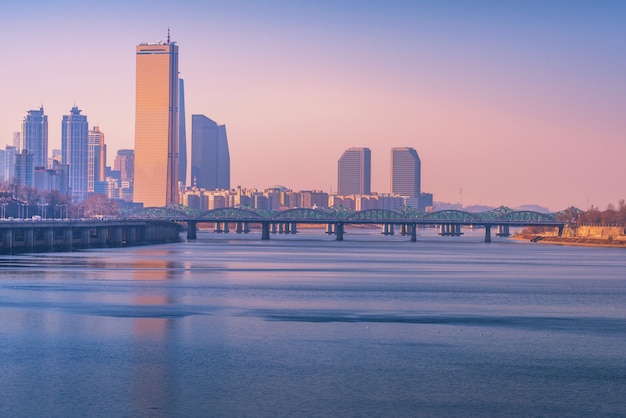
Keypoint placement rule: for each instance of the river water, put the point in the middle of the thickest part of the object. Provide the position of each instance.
(306, 326)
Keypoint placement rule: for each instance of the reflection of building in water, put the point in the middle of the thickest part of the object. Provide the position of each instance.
(153, 270)
(150, 326)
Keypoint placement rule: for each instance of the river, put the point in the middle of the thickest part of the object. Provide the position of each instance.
(307, 326)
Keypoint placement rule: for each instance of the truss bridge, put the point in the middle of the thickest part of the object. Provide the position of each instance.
(405, 220)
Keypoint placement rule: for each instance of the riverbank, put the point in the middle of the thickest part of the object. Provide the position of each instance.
(588, 236)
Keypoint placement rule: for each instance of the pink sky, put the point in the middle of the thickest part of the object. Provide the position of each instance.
(515, 103)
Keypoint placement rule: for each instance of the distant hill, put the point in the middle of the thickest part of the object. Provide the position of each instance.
(484, 208)
(534, 208)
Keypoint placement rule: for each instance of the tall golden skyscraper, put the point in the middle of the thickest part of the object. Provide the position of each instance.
(156, 124)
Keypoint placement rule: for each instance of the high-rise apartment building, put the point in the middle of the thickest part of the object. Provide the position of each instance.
(96, 165)
(405, 172)
(124, 163)
(34, 136)
(7, 163)
(210, 158)
(156, 124)
(24, 168)
(75, 152)
(354, 171)
(182, 135)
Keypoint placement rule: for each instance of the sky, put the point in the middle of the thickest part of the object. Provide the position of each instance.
(506, 102)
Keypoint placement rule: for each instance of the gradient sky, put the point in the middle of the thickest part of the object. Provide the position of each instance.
(515, 102)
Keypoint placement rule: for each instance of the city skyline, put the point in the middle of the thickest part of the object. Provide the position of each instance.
(514, 103)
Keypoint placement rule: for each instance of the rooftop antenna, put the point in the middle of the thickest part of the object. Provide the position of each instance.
(168, 35)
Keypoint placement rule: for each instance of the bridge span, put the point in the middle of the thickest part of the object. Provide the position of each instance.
(406, 221)
(67, 234)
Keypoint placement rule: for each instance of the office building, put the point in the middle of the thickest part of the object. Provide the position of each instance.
(24, 168)
(354, 172)
(210, 157)
(75, 152)
(96, 165)
(156, 124)
(405, 172)
(16, 140)
(55, 178)
(182, 135)
(124, 164)
(34, 136)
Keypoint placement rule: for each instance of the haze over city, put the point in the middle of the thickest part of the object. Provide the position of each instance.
(512, 102)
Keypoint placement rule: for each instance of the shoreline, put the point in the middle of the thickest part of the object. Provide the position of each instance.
(573, 241)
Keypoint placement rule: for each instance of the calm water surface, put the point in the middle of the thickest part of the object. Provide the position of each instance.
(307, 326)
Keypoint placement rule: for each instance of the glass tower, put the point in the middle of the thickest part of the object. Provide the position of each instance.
(156, 125)
(210, 158)
(182, 135)
(75, 152)
(34, 136)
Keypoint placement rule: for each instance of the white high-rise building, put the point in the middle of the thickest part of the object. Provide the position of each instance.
(75, 152)
(354, 171)
(405, 172)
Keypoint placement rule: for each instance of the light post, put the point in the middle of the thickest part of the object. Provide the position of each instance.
(42, 211)
(61, 206)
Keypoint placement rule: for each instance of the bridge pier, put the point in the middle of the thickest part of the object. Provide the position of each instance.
(49, 239)
(487, 233)
(561, 230)
(116, 236)
(339, 231)
(192, 230)
(265, 230)
(330, 229)
(29, 240)
(131, 235)
(238, 227)
(225, 229)
(388, 229)
(413, 232)
(503, 231)
(294, 228)
(67, 238)
(101, 234)
(84, 237)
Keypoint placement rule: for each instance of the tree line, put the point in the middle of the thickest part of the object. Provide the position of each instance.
(23, 201)
(612, 215)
